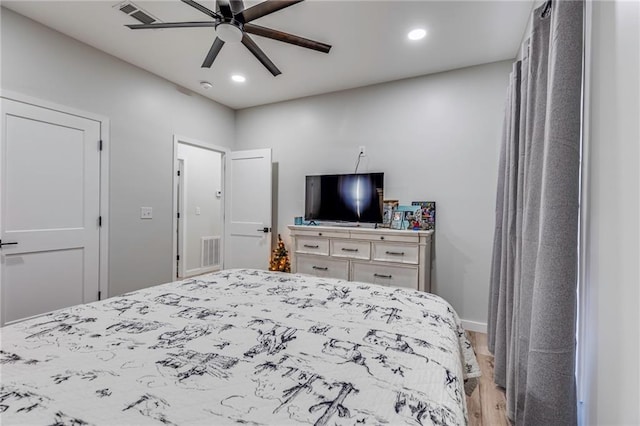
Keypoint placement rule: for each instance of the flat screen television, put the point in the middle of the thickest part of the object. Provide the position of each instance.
(344, 198)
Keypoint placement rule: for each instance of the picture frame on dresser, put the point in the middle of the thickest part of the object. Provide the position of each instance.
(427, 215)
(405, 217)
(388, 209)
(397, 220)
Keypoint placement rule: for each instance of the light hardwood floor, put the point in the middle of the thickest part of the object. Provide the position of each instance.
(486, 405)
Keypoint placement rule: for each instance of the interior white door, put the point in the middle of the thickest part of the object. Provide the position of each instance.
(248, 204)
(50, 206)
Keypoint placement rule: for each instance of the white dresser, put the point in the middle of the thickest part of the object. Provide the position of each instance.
(389, 257)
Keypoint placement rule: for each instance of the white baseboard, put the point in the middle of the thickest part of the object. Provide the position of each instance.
(199, 271)
(480, 327)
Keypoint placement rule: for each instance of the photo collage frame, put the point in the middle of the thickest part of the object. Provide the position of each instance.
(420, 215)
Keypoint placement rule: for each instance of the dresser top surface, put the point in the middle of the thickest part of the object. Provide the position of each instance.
(359, 230)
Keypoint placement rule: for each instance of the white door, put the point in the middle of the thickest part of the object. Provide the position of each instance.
(50, 206)
(248, 206)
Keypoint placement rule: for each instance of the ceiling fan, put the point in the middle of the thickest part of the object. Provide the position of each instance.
(232, 25)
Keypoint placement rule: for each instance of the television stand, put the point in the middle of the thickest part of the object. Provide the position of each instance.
(390, 257)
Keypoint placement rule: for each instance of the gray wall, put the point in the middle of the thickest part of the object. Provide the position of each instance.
(144, 111)
(436, 138)
(612, 373)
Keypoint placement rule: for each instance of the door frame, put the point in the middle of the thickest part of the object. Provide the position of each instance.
(103, 246)
(180, 226)
(174, 190)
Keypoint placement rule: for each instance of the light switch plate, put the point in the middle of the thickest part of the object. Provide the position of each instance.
(146, 212)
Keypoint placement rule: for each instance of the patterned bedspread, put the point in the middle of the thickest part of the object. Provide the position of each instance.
(241, 346)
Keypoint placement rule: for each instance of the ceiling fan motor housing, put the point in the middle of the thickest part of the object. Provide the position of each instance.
(229, 32)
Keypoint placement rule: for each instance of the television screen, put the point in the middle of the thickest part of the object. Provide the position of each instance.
(344, 198)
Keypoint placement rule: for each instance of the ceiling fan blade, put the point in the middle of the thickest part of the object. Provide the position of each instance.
(260, 55)
(172, 25)
(202, 9)
(265, 8)
(287, 38)
(225, 8)
(213, 52)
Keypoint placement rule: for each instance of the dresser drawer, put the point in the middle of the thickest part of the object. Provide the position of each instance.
(396, 252)
(320, 232)
(405, 237)
(392, 276)
(322, 267)
(312, 245)
(350, 249)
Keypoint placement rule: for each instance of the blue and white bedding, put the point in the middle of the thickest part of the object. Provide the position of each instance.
(241, 346)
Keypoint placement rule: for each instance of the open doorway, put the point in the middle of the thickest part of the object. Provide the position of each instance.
(198, 207)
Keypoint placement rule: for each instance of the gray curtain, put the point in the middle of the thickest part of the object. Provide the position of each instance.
(532, 306)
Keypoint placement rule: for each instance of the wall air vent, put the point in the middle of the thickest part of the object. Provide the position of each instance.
(136, 12)
(209, 251)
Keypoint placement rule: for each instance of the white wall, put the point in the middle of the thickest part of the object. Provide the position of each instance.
(524, 43)
(144, 111)
(436, 138)
(612, 279)
(202, 178)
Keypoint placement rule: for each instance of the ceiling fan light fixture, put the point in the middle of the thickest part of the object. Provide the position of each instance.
(229, 33)
(238, 78)
(232, 25)
(417, 34)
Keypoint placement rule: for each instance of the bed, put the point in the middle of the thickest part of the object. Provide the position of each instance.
(241, 346)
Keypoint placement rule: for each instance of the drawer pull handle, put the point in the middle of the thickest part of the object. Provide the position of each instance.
(320, 268)
(382, 276)
(395, 253)
(349, 249)
(310, 246)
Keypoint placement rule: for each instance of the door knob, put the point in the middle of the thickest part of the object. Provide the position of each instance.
(8, 244)
(265, 230)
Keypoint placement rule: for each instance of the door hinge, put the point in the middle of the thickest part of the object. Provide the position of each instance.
(100, 145)
(99, 221)
(178, 257)
(178, 215)
(99, 295)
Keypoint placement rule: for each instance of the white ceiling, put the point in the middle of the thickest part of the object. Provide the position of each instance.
(368, 38)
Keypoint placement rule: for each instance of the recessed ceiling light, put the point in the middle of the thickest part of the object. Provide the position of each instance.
(238, 78)
(417, 34)
(206, 85)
